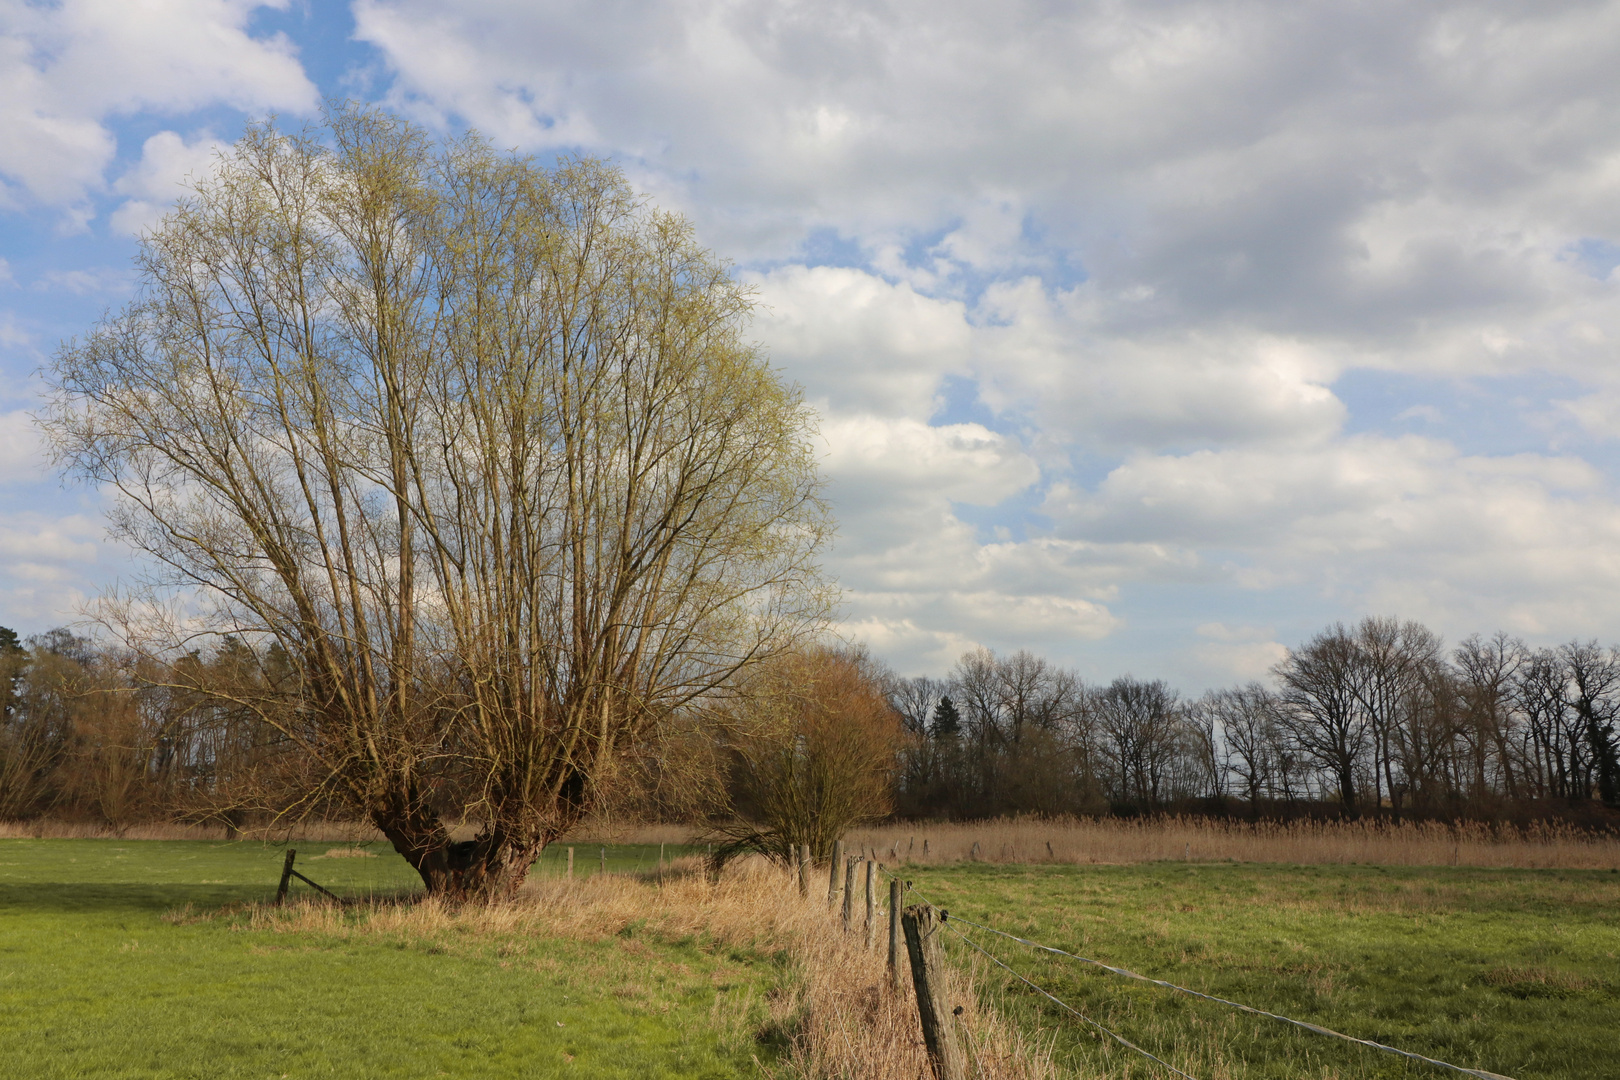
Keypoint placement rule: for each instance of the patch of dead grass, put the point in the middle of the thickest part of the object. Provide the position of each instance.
(1527, 982)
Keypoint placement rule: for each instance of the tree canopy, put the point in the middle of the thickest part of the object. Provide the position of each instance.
(479, 447)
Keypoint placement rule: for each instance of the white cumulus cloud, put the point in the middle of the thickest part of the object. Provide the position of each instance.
(66, 68)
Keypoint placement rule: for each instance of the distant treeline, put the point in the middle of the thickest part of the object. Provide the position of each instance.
(94, 733)
(1374, 719)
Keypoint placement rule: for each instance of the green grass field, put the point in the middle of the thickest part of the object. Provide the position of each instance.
(131, 959)
(101, 976)
(1512, 971)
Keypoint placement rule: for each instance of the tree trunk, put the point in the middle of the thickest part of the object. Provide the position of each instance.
(491, 866)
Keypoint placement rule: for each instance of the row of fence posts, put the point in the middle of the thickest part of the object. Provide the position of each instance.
(920, 926)
(568, 869)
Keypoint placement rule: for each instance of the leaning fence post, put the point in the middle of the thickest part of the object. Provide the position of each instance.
(832, 873)
(923, 926)
(286, 876)
(871, 904)
(849, 890)
(896, 898)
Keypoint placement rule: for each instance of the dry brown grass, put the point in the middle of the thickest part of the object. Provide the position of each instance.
(352, 832)
(620, 832)
(1539, 982)
(1115, 840)
(347, 853)
(1065, 840)
(843, 1019)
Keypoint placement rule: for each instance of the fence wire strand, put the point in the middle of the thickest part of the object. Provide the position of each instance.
(1127, 973)
(1122, 1040)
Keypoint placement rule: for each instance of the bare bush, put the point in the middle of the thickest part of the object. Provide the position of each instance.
(813, 745)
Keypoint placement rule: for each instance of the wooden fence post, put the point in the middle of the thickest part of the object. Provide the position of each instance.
(286, 876)
(604, 859)
(570, 864)
(849, 890)
(832, 873)
(897, 895)
(923, 927)
(871, 904)
(804, 870)
(660, 864)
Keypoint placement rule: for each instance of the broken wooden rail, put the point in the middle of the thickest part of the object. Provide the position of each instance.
(288, 873)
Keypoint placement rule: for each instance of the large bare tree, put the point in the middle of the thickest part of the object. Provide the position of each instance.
(480, 445)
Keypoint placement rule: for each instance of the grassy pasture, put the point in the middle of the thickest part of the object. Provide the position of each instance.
(148, 959)
(1511, 971)
(111, 966)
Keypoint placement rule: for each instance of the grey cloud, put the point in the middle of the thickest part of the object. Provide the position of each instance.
(1225, 156)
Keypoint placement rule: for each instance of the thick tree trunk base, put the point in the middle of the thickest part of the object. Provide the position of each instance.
(492, 866)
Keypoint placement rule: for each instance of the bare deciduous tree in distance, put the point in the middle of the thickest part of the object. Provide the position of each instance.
(479, 445)
(1318, 708)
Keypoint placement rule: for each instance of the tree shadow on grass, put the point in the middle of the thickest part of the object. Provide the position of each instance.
(77, 897)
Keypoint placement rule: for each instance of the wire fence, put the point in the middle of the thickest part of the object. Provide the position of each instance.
(948, 920)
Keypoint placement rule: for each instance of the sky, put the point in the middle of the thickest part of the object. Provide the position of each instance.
(1151, 337)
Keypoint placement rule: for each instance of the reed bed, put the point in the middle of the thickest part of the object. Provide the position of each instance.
(1034, 840)
(1117, 840)
(840, 1017)
(353, 832)
(350, 832)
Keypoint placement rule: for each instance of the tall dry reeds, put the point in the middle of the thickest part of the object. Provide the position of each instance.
(843, 1018)
(1035, 840)
(1117, 840)
(352, 832)
(593, 831)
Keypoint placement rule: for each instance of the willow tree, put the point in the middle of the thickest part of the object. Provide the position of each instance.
(477, 448)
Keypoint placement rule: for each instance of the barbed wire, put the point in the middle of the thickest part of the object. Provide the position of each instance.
(1127, 973)
(1315, 1028)
(1122, 1040)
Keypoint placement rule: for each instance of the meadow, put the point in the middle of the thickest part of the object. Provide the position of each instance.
(154, 958)
(123, 958)
(1514, 972)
